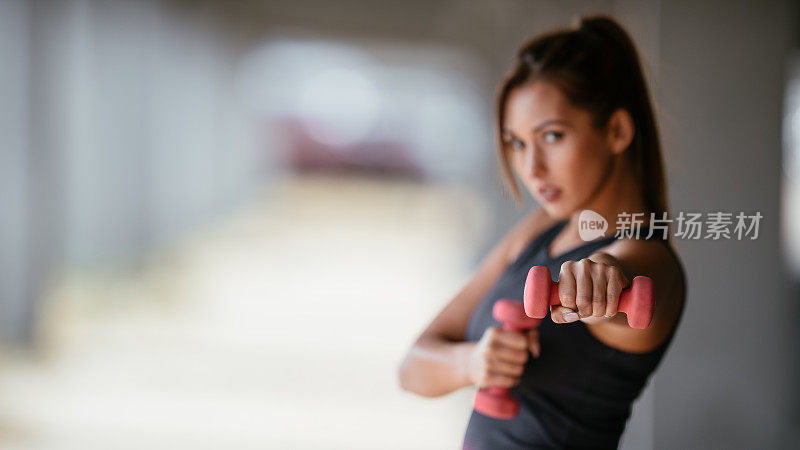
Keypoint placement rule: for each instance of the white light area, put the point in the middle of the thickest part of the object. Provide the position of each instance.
(439, 113)
(448, 131)
(280, 328)
(339, 106)
(427, 99)
(791, 217)
(790, 197)
(791, 129)
(271, 77)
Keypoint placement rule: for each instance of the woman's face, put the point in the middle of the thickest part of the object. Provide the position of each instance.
(553, 148)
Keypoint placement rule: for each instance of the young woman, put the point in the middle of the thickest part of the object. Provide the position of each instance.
(576, 127)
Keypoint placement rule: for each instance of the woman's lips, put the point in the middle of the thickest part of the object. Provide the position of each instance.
(549, 193)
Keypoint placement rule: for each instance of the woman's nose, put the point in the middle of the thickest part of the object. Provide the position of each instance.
(534, 164)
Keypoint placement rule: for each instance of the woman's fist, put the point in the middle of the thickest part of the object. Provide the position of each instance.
(498, 359)
(588, 288)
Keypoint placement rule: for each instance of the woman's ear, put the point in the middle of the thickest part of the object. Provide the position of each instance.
(620, 130)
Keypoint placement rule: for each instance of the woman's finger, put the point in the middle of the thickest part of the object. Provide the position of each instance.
(616, 283)
(561, 314)
(599, 290)
(533, 342)
(585, 291)
(512, 339)
(499, 380)
(511, 355)
(567, 288)
(506, 368)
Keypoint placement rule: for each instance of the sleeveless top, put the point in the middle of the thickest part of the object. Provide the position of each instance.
(578, 393)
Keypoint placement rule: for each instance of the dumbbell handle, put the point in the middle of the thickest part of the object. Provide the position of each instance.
(495, 401)
(499, 391)
(508, 327)
(541, 292)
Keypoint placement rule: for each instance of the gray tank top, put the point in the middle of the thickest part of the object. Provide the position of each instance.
(578, 393)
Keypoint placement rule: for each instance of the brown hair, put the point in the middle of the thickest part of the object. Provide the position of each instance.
(596, 66)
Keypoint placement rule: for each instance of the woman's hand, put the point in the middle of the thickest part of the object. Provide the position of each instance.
(498, 359)
(589, 288)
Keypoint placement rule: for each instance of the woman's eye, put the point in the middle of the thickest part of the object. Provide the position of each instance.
(516, 144)
(552, 137)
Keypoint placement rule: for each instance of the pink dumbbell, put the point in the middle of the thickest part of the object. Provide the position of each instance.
(495, 401)
(636, 302)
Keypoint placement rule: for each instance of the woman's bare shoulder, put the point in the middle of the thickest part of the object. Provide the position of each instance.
(654, 258)
(659, 261)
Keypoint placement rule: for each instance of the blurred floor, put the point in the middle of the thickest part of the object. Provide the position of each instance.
(280, 328)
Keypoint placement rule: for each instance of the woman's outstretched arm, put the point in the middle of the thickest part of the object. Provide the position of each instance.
(590, 289)
(440, 361)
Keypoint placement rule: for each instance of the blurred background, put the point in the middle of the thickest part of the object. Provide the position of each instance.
(223, 223)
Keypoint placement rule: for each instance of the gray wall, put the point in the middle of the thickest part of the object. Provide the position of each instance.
(16, 291)
(120, 132)
(726, 382)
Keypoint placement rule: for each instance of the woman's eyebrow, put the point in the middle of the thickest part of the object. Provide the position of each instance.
(551, 122)
(507, 132)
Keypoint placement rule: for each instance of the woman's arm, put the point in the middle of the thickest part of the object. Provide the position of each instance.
(591, 288)
(440, 361)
